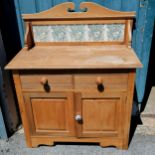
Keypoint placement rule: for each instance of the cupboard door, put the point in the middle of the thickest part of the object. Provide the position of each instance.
(99, 115)
(50, 113)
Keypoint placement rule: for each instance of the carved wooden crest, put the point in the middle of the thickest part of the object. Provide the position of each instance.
(88, 10)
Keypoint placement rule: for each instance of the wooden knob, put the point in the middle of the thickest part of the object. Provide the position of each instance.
(44, 81)
(99, 80)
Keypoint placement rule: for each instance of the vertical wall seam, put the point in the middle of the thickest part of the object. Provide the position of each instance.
(19, 20)
(36, 6)
(52, 4)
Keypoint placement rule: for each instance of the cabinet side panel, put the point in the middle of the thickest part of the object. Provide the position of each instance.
(128, 107)
(26, 126)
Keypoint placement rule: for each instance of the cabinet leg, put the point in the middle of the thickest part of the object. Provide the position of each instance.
(29, 144)
(122, 147)
(125, 144)
(125, 147)
(35, 145)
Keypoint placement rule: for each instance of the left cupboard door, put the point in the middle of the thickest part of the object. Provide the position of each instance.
(50, 113)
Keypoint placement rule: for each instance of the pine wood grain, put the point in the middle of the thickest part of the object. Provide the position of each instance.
(110, 82)
(55, 82)
(22, 108)
(104, 141)
(50, 113)
(75, 57)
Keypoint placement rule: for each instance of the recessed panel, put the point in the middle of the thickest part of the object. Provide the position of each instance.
(99, 115)
(49, 114)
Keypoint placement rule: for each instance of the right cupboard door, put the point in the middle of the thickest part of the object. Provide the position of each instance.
(99, 115)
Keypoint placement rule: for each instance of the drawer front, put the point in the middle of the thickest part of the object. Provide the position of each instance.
(46, 81)
(101, 82)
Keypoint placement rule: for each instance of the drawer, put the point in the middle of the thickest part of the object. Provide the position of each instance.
(46, 81)
(101, 82)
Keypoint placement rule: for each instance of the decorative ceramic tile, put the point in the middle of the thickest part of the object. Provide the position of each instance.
(114, 32)
(81, 33)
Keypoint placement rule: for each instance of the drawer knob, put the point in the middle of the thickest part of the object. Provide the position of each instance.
(99, 82)
(44, 82)
(78, 118)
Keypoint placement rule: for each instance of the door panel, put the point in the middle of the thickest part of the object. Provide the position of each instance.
(101, 116)
(50, 113)
(46, 113)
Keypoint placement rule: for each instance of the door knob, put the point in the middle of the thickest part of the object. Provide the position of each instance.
(78, 118)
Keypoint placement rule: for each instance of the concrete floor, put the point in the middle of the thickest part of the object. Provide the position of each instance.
(142, 143)
(148, 116)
